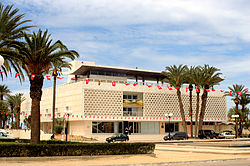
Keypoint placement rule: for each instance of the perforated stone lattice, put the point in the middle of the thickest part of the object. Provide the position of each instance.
(157, 105)
(103, 102)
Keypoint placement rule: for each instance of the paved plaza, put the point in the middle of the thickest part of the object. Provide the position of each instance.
(190, 153)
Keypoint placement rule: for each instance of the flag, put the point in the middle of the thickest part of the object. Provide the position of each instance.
(177, 87)
(32, 76)
(135, 84)
(189, 112)
(60, 78)
(149, 86)
(186, 89)
(213, 90)
(48, 77)
(159, 87)
(231, 93)
(197, 90)
(126, 83)
(87, 81)
(17, 74)
(222, 90)
(207, 90)
(246, 90)
(73, 78)
(113, 83)
(99, 83)
(169, 88)
(240, 93)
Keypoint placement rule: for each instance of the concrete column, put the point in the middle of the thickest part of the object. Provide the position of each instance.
(116, 127)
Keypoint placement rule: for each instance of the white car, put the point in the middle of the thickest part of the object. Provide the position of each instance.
(3, 135)
(227, 134)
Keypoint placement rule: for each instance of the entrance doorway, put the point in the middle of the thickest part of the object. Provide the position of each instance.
(172, 127)
(134, 127)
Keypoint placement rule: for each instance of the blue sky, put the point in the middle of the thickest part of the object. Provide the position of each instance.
(148, 34)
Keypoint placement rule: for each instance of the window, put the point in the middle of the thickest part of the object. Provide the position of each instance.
(47, 110)
(102, 127)
(134, 97)
(67, 108)
(125, 97)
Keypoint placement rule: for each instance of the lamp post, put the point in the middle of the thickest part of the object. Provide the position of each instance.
(237, 102)
(169, 115)
(67, 112)
(236, 125)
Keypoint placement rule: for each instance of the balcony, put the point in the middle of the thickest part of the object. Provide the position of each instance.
(132, 102)
(132, 113)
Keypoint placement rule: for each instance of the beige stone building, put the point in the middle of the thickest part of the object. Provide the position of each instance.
(104, 99)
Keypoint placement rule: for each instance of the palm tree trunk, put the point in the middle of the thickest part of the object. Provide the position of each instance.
(197, 112)
(203, 108)
(181, 110)
(236, 120)
(54, 105)
(35, 94)
(191, 109)
(1, 116)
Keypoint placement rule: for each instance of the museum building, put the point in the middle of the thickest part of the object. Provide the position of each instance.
(102, 99)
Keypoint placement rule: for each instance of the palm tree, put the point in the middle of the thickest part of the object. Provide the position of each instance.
(15, 104)
(210, 77)
(4, 91)
(57, 70)
(12, 27)
(190, 81)
(235, 93)
(37, 55)
(197, 78)
(3, 109)
(175, 75)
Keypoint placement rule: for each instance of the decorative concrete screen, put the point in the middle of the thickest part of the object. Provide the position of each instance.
(157, 104)
(103, 102)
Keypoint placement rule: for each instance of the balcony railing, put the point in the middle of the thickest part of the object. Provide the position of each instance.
(132, 113)
(132, 102)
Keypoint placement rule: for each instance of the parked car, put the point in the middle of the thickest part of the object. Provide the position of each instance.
(3, 135)
(117, 137)
(207, 134)
(176, 136)
(228, 134)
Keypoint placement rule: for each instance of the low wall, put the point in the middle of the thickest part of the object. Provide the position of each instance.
(25, 134)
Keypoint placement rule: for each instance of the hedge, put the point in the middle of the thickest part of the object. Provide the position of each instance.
(42, 142)
(27, 150)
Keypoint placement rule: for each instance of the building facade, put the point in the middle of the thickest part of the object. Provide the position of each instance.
(103, 99)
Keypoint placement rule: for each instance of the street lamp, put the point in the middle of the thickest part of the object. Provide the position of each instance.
(67, 112)
(1, 60)
(236, 125)
(169, 115)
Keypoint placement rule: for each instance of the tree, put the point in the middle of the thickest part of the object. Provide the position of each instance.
(242, 114)
(12, 27)
(235, 92)
(210, 77)
(15, 104)
(4, 91)
(175, 75)
(37, 55)
(197, 79)
(57, 70)
(190, 81)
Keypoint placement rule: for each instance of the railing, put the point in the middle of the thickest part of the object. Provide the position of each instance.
(132, 102)
(132, 113)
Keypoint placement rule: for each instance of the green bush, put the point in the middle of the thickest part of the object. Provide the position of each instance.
(27, 150)
(58, 129)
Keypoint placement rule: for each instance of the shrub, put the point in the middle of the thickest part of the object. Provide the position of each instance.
(58, 129)
(27, 150)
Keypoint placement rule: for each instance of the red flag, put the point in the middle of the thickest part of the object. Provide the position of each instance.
(186, 89)
(73, 78)
(189, 112)
(177, 87)
(222, 90)
(135, 84)
(231, 93)
(159, 87)
(48, 77)
(197, 90)
(213, 90)
(169, 88)
(246, 91)
(99, 83)
(1, 71)
(126, 83)
(240, 93)
(87, 81)
(60, 78)
(207, 90)
(17, 74)
(32, 76)
(113, 83)
(149, 86)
